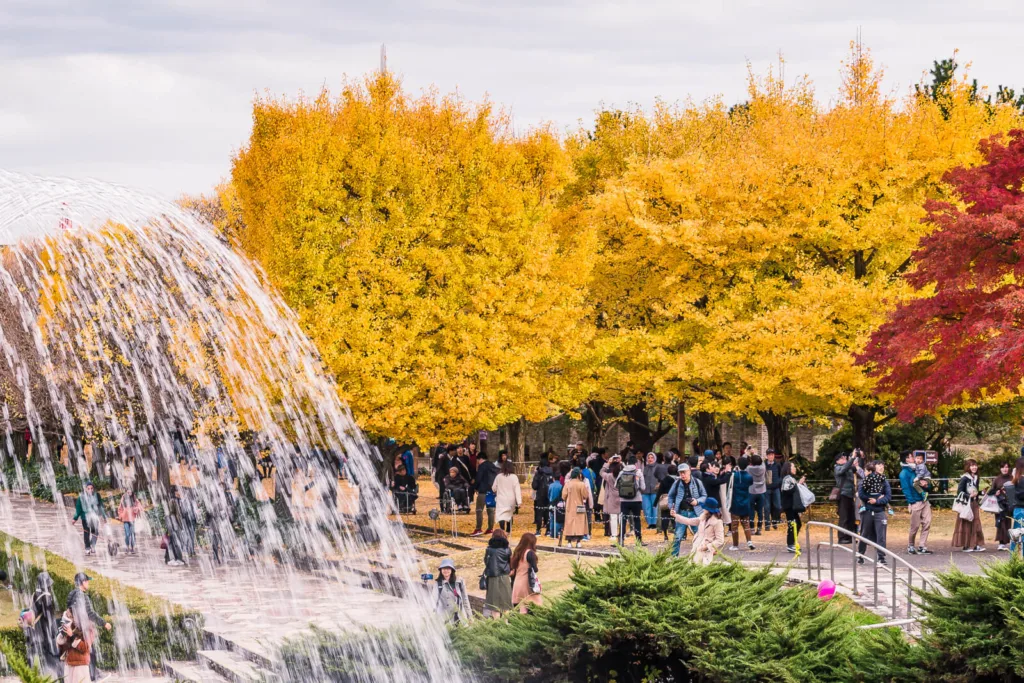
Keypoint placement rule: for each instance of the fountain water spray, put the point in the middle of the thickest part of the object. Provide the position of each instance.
(126, 324)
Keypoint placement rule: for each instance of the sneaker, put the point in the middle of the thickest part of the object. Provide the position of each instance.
(750, 546)
(640, 543)
(968, 550)
(1002, 547)
(846, 541)
(979, 548)
(489, 531)
(860, 560)
(911, 550)
(733, 547)
(477, 532)
(924, 551)
(790, 549)
(882, 562)
(758, 532)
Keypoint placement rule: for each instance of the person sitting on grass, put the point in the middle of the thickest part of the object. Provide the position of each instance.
(456, 486)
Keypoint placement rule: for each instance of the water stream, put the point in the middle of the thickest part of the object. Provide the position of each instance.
(130, 332)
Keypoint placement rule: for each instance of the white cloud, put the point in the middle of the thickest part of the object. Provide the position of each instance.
(158, 94)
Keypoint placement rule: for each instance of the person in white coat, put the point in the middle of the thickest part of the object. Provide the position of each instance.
(508, 496)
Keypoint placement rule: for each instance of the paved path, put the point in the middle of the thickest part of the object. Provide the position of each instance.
(254, 609)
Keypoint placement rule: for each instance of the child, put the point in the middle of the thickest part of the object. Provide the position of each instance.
(710, 536)
(922, 478)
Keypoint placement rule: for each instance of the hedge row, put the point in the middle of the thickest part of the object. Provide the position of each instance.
(165, 631)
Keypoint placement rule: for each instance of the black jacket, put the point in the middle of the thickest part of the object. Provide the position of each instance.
(486, 472)
(497, 558)
(776, 469)
(407, 481)
(81, 608)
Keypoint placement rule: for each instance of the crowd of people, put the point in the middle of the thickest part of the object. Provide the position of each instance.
(714, 497)
(64, 647)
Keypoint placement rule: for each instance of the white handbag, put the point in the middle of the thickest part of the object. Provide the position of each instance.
(806, 496)
(991, 504)
(963, 509)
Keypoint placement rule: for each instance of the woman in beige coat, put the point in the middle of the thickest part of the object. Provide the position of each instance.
(508, 496)
(578, 499)
(710, 535)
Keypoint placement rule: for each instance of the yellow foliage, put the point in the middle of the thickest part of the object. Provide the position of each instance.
(744, 262)
(414, 239)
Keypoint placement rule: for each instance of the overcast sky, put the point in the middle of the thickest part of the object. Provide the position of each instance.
(157, 94)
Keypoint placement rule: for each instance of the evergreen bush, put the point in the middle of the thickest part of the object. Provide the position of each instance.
(646, 617)
(973, 629)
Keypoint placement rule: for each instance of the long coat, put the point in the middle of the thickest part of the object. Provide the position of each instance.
(508, 495)
(575, 494)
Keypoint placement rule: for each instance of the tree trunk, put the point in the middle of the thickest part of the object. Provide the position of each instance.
(707, 435)
(638, 425)
(517, 444)
(681, 427)
(862, 421)
(594, 415)
(778, 432)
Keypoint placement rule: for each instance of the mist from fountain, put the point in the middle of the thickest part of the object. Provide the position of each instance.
(127, 324)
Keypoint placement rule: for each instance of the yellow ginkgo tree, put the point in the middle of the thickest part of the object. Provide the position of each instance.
(414, 238)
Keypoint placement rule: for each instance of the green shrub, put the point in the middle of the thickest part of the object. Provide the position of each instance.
(652, 617)
(974, 631)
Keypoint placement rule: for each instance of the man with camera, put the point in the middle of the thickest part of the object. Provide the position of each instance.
(846, 470)
(685, 496)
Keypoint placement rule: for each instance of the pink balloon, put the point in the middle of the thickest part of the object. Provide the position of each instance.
(826, 589)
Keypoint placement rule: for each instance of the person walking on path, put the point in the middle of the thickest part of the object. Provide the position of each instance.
(792, 503)
(710, 536)
(525, 583)
(629, 484)
(1004, 518)
(542, 478)
(684, 498)
(127, 511)
(1015, 500)
(84, 614)
(75, 647)
(612, 505)
(920, 508)
(508, 496)
(875, 495)
(969, 534)
(497, 571)
(758, 494)
(89, 509)
(650, 491)
(579, 500)
(486, 473)
(666, 517)
(452, 601)
(845, 472)
(773, 484)
(42, 634)
(741, 500)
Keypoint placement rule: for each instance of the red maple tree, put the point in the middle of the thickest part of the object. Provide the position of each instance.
(968, 338)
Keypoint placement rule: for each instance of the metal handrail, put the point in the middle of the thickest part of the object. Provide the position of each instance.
(856, 555)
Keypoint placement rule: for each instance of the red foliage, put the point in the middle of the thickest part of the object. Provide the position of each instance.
(974, 325)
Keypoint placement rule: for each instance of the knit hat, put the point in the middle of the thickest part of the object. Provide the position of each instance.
(709, 453)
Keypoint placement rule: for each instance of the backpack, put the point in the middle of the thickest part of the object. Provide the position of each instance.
(626, 484)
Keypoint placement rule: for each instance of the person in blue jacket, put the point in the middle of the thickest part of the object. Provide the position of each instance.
(742, 502)
(875, 495)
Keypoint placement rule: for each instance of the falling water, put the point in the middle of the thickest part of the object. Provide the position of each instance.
(126, 323)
